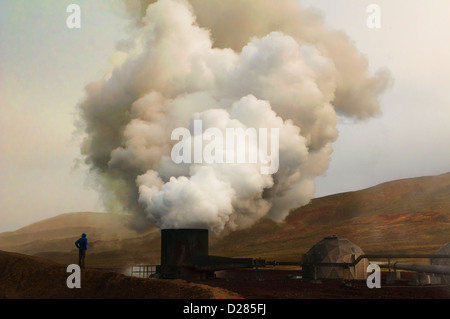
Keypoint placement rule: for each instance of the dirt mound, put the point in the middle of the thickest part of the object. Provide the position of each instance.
(27, 277)
(288, 285)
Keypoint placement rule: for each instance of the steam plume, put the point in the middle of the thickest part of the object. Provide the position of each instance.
(234, 63)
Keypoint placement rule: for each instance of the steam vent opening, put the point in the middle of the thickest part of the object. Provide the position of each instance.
(327, 259)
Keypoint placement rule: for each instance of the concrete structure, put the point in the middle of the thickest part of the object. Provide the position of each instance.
(178, 246)
(334, 258)
(184, 254)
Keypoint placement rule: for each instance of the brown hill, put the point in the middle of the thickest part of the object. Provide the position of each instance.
(410, 215)
(111, 242)
(23, 277)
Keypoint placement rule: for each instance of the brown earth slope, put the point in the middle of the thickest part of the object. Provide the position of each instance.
(24, 277)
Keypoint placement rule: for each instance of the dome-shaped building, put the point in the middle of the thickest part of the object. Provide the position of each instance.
(444, 250)
(330, 259)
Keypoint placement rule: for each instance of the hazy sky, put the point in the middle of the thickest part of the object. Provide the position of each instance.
(44, 67)
(412, 137)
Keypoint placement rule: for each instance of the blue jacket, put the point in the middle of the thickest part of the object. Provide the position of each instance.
(82, 242)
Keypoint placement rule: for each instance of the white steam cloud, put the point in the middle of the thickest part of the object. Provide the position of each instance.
(232, 64)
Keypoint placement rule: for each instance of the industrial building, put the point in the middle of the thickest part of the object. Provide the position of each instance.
(333, 258)
(445, 262)
(185, 254)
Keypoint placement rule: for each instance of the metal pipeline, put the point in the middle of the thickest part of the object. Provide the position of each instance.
(431, 269)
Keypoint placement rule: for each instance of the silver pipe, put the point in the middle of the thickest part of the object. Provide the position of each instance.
(432, 269)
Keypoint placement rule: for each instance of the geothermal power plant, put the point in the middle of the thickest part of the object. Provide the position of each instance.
(185, 255)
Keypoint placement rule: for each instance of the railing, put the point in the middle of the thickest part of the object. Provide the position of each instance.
(143, 271)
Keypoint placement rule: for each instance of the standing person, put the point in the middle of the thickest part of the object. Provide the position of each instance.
(81, 244)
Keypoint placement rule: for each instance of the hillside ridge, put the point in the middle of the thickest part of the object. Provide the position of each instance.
(407, 215)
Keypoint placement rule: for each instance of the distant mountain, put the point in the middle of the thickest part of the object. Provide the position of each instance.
(409, 215)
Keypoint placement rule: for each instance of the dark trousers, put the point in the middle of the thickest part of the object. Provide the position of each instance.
(81, 256)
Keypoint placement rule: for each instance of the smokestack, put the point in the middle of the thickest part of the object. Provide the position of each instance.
(184, 254)
(178, 247)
